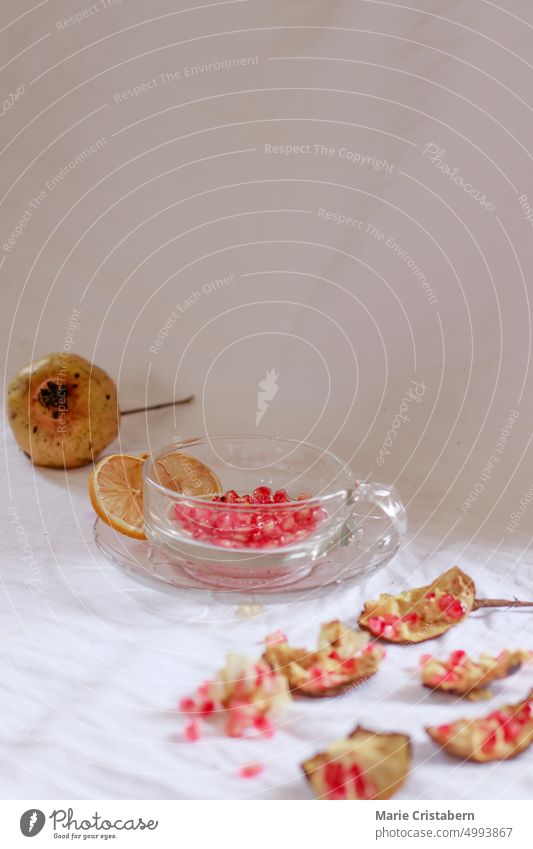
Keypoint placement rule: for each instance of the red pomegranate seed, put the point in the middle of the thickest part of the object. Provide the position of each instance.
(192, 731)
(263, 724)
(250, 528)
(456, 611)
(411, 618)
(316, 672)
(187, 705)
(445, 601)
(207, 707)
(334, 779)
(261, 494)
(203, 689)
(389, 632)
(376, 625)
(288, 524)
(303, 516)
(360, 787)
(456, 658)
(275, 638)
(231, 497)
(489, 743)
(430, 596)
(251, 770)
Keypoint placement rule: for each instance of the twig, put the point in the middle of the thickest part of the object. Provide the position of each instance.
(157, 406)
(499, 602)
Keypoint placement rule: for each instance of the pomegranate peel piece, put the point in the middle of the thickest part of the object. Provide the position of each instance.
(500, 735)
(461, 676)
(344, 659)
(365, 765)
(422, 613)
(248, 691)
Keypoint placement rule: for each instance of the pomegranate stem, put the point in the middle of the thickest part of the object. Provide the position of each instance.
(500, 602)
(157, 406)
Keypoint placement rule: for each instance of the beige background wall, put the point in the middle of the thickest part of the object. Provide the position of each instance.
(181, 191)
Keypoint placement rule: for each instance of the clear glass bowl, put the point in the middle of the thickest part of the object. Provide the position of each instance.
(361, 524)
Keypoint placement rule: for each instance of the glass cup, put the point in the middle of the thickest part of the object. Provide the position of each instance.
(338, 511)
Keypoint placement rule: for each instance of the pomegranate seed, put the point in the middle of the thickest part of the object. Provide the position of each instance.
(251, 770)
(316, 672)
(456, 611)
(288, 524)
(231, 497)
(411, 618)
(430, 596)
(511, 730)
(192, 731)
(445, 601)
(249, 528)
(360, 787)
(203, 689)
(456, 657)
(489, 743)
(334, 779)
(376, 625)
(263, 724)
(261, 494)
(275, 638)
(390, 632)
(451, 606)
(234, 728)
(187, 705)
(390, 619)
(207, 707)
(445, 730)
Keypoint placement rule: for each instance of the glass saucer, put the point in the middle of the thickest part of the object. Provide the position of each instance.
(144, 560)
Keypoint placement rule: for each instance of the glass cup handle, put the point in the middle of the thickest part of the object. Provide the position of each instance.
(378, 522)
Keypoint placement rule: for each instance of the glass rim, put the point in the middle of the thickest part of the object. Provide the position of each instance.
(203, 501)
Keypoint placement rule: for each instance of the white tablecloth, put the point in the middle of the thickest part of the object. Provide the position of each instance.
(427, 282)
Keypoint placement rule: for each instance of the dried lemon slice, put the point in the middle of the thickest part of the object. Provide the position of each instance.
(186, 475)
(115, 490)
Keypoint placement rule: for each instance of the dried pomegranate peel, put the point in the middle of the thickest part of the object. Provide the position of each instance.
(245, 693)
(365, 765)
(461, 676)
(502, 734)
(344, 658)
(421, 613)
